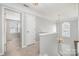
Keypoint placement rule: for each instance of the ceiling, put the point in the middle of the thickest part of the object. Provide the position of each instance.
(52, 10)
(49, 11)
(47, 8)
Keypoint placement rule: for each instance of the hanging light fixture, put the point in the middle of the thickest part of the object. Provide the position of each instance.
(35, 2)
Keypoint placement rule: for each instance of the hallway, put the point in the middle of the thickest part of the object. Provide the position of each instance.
(14, 49)
(46, 29)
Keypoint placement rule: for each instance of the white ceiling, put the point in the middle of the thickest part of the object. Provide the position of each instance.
(49, 8)
(52, 10)
(48, 11)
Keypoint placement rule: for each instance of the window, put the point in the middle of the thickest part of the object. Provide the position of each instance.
(14, 26)
(66, 29)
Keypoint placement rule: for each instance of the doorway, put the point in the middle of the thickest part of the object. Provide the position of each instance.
(13, 32)
(15, 39)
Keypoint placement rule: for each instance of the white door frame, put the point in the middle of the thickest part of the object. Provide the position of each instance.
(4, 27)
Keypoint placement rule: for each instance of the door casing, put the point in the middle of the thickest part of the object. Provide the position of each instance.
(4, 27)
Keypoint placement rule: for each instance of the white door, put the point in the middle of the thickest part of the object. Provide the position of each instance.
(28, 30)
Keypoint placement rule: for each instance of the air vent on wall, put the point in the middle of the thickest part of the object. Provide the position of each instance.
(31, 5)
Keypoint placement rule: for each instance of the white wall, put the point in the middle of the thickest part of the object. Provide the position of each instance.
(29, 26)
(48, 45)
(1, 32)
(44, 25)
